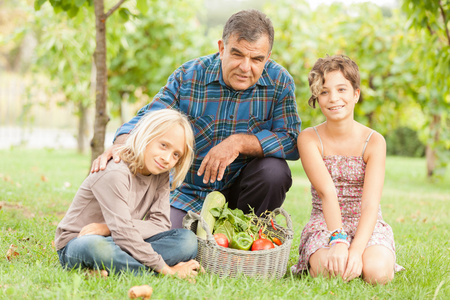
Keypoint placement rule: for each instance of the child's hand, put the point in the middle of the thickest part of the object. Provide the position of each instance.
(183, 269)
(337, 259)
(354, 266)
(95, 228)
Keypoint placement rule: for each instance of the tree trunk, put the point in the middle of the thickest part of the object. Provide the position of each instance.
(430, 151)
(431, 160)
(101, 115)
(83, 128)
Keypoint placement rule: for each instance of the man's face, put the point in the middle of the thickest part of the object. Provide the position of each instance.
(243, 62)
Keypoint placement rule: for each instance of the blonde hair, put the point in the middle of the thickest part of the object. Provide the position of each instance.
(151, 126)
(330, 64)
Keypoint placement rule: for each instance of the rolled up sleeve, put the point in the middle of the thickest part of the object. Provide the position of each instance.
(281, 140)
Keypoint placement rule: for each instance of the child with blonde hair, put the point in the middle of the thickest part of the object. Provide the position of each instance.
(119, 219)
(345, 162)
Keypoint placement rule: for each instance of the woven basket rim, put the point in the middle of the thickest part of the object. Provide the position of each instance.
(210, 241)
(270, 263)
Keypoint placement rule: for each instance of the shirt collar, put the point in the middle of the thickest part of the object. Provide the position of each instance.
(214, 73)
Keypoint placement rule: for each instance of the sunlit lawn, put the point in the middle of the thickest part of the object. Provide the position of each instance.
(37, 186)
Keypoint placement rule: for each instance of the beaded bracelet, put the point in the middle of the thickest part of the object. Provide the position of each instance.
(338, 236)
(332, 243)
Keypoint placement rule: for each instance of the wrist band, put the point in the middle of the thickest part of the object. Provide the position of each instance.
(338, 235)
(334, 242)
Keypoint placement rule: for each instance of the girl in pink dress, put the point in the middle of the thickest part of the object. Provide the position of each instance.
(345, 163)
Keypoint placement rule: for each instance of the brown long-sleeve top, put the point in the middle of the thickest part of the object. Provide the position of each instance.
(134, 207)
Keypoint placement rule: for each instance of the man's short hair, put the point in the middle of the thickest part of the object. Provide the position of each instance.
(249, 25)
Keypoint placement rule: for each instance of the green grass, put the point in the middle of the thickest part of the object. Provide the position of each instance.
(37, 186)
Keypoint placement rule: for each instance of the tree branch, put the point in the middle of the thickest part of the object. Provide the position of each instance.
(445, 21)
(114, 8)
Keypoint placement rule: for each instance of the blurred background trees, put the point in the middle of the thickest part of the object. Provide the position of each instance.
(403, 52)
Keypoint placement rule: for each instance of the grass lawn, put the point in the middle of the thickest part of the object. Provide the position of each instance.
(37, 187)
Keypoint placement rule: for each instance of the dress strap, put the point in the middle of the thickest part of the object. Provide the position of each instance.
(367, 141)
(320, 140)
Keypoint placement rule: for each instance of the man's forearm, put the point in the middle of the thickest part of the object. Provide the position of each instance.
(247, 144)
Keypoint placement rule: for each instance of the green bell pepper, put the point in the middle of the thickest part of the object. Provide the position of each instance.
(241, 241)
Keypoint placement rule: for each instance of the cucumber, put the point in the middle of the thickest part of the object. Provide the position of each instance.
(213, 199)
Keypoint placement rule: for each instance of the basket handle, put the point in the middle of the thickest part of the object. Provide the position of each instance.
(192, 217)
(285, 214)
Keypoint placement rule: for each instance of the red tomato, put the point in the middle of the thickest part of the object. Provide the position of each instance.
(262, 244)
(221, 239)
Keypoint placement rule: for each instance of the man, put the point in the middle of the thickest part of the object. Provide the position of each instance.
(242, 107)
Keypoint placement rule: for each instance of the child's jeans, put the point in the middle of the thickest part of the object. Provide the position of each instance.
(99, 252)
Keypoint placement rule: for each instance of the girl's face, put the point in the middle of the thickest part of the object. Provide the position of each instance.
(338, 98)
(163, 153)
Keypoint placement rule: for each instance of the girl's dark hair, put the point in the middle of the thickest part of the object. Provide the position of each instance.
(323, 66)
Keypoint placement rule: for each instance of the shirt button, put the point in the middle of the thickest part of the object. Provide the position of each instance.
(231, 116)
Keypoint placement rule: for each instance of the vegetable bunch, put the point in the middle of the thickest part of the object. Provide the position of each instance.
(242, 231)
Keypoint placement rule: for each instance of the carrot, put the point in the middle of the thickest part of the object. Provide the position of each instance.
(277, 241)
(144, 291)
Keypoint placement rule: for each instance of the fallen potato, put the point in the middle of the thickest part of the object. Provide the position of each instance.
(144, 291)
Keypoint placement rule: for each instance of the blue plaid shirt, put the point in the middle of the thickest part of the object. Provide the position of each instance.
(267, 109)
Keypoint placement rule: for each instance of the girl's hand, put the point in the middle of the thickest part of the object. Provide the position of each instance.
(337, 259)
(354, 265)
(95, 228)
(183, 269)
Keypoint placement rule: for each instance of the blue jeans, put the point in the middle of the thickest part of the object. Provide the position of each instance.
(99, 252)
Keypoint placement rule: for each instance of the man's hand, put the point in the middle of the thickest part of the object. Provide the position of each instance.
(95, 228)
(222, 155)
(218, 158)
(99, 164)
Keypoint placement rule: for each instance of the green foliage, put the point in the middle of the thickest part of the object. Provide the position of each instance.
(139, 38)
(405, 73)
(65, 54)
(404, 58)
(37, 187)
(363, 33)
(430, 21)
(403, 141)
(71, 7)
(150, 46)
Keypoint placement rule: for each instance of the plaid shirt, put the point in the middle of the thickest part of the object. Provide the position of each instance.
(267, 109)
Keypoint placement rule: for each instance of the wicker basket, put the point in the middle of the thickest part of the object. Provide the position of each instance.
(270, 264)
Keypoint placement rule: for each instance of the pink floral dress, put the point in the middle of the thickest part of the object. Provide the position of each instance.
(347, 173)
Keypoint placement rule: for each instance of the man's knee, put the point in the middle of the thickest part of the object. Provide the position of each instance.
(272, 171)
(176, 217)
